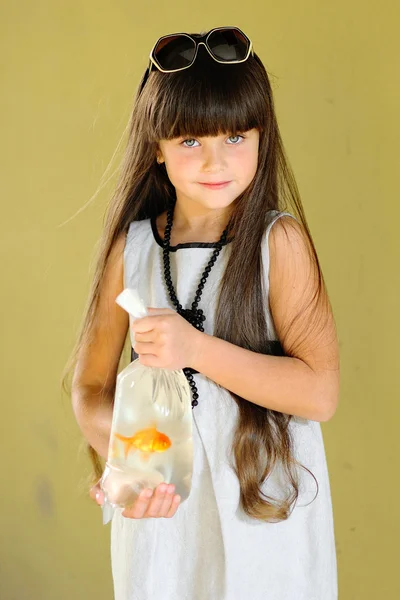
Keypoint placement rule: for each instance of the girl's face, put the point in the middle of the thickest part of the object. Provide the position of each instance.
(190, 162)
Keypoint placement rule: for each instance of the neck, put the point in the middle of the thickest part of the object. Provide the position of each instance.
(198, 218)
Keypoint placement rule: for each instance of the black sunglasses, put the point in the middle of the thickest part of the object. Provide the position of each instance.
(178, 51)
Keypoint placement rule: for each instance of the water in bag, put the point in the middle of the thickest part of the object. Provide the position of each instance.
(151, 431)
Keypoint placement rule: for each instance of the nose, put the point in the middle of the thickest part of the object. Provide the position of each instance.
(214, 159)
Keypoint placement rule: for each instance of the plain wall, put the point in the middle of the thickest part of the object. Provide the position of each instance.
(69, 74)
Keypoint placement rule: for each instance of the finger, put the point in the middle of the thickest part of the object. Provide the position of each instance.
(145, 324)
(176, 500)
(145, 336)
(144, 348)
(157, 501)
(151, 322)
(97, 494)
(139, 507)
(166, 505)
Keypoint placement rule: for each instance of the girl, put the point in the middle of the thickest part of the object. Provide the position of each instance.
(197, 224)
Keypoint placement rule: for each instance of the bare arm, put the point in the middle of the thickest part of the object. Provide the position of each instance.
(305, 384)
(280, 383)
(93, 384)
(93, 411)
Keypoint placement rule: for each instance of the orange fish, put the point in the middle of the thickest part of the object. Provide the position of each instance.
(146, 440)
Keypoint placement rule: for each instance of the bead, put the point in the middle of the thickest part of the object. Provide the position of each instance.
(195, 316)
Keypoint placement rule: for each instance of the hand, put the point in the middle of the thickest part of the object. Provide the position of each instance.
(162, 502)
(165, 339)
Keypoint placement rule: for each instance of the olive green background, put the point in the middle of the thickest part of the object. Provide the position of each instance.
(69, 72)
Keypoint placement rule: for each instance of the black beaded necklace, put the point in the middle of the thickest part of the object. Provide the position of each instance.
(194, 315)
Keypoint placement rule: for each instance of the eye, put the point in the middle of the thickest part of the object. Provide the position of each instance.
(236, 136)
(188, 140)
(193, 140)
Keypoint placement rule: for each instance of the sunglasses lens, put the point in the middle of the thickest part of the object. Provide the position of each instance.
(174, 52)
(229, 44)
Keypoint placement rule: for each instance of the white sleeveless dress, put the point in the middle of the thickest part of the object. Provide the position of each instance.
(211, 550)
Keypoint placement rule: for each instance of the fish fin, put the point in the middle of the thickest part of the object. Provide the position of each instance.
(145, 456)
(129, 448)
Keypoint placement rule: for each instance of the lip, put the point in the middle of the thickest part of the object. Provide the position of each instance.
(215, 186)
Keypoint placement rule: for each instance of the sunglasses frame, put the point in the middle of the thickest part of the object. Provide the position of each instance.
(203, 40)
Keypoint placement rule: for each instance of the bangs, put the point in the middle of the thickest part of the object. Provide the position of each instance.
(206, 99)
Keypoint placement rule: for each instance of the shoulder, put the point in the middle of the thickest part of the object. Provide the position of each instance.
(137, 232)
(283, 234)
(283, 225)
(293, 265)
(288, 239)
(133, 234)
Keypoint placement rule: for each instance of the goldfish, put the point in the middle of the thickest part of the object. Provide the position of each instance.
(146, 440)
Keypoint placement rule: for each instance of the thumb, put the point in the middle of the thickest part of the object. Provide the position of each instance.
(96, 493)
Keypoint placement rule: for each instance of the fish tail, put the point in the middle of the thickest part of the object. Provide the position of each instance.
(123, 438)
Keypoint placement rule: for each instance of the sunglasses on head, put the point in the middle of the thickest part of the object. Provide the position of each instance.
(178, 51)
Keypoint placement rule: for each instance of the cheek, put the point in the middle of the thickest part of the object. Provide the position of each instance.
(181, 168)
(245, 165)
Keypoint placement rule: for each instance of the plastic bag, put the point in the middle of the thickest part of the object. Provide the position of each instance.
(151, 431)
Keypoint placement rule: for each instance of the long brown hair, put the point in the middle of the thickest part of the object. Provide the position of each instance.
(206, 100)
